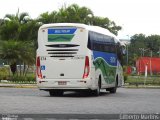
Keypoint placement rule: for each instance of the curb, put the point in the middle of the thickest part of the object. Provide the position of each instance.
(18, 85)
(35, 86)
(142, 86)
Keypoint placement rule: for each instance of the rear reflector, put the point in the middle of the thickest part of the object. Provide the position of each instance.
(38, 68)
(86, 68)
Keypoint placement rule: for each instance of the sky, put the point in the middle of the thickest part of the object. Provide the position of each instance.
(135, 16)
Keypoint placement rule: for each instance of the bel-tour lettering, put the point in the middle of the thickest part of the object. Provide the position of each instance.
(62, 31)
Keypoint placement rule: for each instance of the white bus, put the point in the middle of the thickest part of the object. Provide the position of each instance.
(72, 56)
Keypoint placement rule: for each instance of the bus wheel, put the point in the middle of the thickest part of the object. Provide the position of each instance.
(97, 91)
(114, 89)
(55, 92)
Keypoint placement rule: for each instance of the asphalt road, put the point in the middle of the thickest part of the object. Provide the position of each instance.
(33, 101)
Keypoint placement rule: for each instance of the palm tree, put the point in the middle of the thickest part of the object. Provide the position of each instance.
(74, 14)
(10, 53)
(48, 17)
(18, 32)
(11, 27)
(71, 14)
(28, 55)
(17, 52)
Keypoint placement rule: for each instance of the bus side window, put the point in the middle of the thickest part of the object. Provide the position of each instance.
(123, 50)
(89, 42)
(99, 42)
(110, 48)
(91, 38)
(96, 46)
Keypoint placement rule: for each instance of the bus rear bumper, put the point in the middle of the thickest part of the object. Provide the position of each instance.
(66, 84)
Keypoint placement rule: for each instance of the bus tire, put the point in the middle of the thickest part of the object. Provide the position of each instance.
(55, 92)
(113, 89)
(97, 91)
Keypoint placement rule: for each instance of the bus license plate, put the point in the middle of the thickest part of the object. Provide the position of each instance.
(62, 82)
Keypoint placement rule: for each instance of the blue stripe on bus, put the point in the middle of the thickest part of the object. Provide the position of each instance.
(110, 58)
(62, 31)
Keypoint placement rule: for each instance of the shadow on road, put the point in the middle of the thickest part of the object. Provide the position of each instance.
(80, 94)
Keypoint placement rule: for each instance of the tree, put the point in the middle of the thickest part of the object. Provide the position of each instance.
(77, 14)
(17, 52)
(142, 46)
(19, 27)
(11, 27)
(10, 52)
(19, 34)
(135, 49)
(48, 17)
(153, 43)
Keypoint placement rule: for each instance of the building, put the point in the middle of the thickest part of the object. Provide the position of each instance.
(152, 64)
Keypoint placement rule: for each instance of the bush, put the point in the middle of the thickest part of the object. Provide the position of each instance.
(4, 73)
(30, 78)
(125, 77)
(140, 80)
(23, 79)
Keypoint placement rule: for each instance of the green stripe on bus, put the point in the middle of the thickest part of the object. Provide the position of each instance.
(60, 38)
(108, 71)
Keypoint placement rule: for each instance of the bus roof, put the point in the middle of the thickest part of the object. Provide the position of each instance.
(88, 27)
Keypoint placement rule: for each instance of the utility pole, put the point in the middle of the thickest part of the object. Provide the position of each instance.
(159, 51)
(127, 54)
(143, 50)
(127, 49)
(151, 64)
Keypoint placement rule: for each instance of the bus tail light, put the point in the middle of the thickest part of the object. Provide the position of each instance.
(38, 68)
(86, 68)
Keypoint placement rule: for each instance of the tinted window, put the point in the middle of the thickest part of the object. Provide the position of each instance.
(104, 47)
(93, 36)
(100, 42)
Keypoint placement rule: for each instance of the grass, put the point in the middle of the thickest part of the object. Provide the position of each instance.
(7, 77)
(140, 80)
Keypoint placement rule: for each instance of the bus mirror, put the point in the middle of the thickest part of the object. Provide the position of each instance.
(123, 51)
